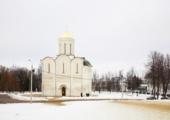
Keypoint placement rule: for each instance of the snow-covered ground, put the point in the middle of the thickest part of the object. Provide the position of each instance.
(26, 96)
(120, 95)
(96, 95)
(110, 109)
(79, 110)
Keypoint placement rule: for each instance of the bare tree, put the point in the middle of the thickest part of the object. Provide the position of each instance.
(158, 72)
(151, 73)
(18, 79)
(133, 81)
(166, 75)
(94, 81)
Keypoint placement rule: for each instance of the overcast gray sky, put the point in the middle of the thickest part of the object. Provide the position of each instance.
(112, 34)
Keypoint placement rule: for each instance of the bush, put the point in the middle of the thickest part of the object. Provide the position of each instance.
(163, 98)
(151, 98)
(87, 94)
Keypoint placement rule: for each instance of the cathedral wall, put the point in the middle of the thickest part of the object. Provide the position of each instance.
(76, 87)
(87, 79)
(76, 75)
(62, 82)
(79, 81)
(76, 68)
(48, 77)
(63, 66)
(62, 74)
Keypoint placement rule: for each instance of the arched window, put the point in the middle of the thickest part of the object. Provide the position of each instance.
(48, 68)
(63, 68)
(64, 48)
(70, 49)
(77, 68)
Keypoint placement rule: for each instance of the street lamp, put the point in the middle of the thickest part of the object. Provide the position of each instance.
(122, 86)
(121, 79)
(32, 70)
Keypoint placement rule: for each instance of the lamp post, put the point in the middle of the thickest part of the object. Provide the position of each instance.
(122, 87)
(121, 79)
(31, 80)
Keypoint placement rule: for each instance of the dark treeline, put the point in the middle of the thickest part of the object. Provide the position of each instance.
(158, 73)
(133, 80)
(107, 82)
(116, 82)
(18, 79)
(156, 79)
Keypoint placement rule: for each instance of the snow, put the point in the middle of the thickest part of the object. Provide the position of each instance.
(134, 107)
(121, 95)
(95, 96)
(21, 96)
(79, 110)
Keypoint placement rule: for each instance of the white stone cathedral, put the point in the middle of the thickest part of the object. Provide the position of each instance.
(66, 74)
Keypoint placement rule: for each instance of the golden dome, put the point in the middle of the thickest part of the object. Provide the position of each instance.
(67, 35)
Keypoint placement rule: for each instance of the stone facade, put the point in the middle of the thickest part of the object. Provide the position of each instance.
(66, 74)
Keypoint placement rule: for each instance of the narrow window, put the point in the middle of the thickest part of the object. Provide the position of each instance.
(77, 68)
(64, 48)
(70, 49)
(60, 48)
(63, 68)
(48, 68)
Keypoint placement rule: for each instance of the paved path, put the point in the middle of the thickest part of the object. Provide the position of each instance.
(4, 98)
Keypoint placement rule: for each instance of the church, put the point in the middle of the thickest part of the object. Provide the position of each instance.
(66, 74)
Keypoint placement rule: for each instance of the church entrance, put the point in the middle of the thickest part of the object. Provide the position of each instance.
(63, 91)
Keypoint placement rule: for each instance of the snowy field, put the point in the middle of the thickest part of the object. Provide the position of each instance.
(96, 95)
(80, 110)
(126, 106)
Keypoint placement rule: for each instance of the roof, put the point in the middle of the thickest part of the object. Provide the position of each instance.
(87, 63)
